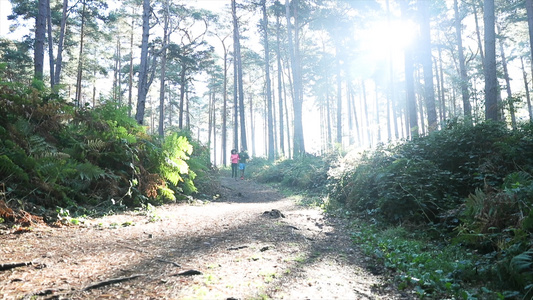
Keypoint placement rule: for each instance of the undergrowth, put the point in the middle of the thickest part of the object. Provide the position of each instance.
(88, 161)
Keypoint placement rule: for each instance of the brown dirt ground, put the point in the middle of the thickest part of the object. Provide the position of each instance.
(241, 251)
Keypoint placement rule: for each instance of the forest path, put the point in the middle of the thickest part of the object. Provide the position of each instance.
(241, 245)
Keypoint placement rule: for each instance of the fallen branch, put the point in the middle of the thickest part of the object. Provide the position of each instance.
(237, 248)
(111, 281)
(9, 266)
(188, 273)
(169, 262)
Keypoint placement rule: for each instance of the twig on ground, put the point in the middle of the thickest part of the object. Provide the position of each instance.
(111, 281)
(238, 247)
(169, 262)
(188, 273)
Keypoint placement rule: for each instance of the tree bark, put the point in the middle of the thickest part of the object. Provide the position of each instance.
(507, 84)
(427, 65)
(50, 42)
(526, 87)
(143, 69)
(529, 9)
(409, 83)
(280, 86)
(80, 57)
(235, 78)
(339, 99)
(40, 36)
(59, 58)
(166, 37)
(270, 119)
(298, 137)
(491, 81)
(130, 79)
(467, 108)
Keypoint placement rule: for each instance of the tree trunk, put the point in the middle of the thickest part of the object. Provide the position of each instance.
(529, 9)
(225, 106)
(409, 82)
(392, 96)
(40, 36)
(478, 33)
(491, 81)
(166, 37)
(507, 84)
(299, 146)
(50, 42)
(367, 116)
(59, 58)
(270, 119)
(339, 100)
(442, 94)
(143, 69)
(181, 111)
(467, 108)
(280, 87)
(80, 58)
(130, 79)
(427, 65)
(526, 87)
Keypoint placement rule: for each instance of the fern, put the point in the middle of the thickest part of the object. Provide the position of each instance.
(88, 171)
(8, 168)
(522, 264)
(175, 151)
(167, 194)
(38, 146)
(96, 145)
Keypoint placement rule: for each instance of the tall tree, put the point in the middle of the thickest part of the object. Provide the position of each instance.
(59, 58)
(427, 64)
(270, 117)
(293, 32)
(409, 80)
(238, 79)
(40, 36)
(467, 108)
(278, 10)
(50, 42)
(143, 85)
(162, 80)
(80, 55)
(225, 98)
(491, 81)
(507, 78)
(526, 87)
(529, 10)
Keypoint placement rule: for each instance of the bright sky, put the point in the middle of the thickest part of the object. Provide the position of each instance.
(5, 10)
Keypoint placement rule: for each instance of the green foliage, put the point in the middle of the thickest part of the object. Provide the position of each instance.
(434, 270)
(8, 169)
(475, 180)
(56, 156)
(419, 180)
(305, 173)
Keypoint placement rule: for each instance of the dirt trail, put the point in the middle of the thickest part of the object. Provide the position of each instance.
(241, 244)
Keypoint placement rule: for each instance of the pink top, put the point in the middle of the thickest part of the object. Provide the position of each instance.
(235, 158)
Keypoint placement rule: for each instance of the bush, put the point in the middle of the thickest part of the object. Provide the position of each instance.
(305, 173)
(65, 157)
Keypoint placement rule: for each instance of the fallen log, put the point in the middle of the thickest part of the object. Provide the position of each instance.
(111, 281)
(9, 266)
